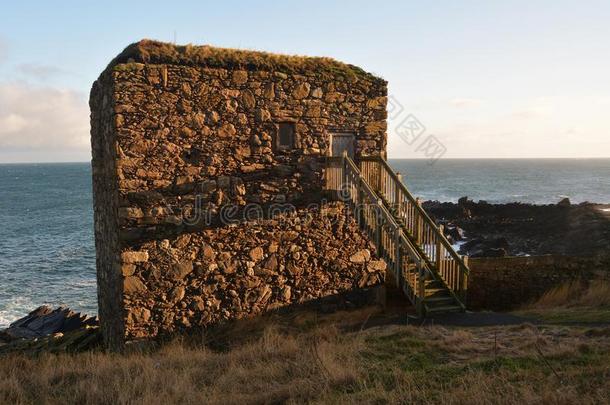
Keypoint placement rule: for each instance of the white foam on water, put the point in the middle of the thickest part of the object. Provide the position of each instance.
(605, 209)
(456, 246)
(17, 308)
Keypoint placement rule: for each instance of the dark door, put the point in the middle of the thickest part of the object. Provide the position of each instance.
(342, 142)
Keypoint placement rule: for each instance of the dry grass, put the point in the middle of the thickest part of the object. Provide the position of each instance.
(331, 359)
(155, 52)
(576, 293)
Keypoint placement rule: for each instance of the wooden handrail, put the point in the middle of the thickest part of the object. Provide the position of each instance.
(386, 214)
(390, 240)
(425, 235)
(414, 248)
(420, 210)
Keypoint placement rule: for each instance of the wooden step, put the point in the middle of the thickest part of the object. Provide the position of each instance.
(437, 292)
(434, 284)
(440, 301)
(443, 309)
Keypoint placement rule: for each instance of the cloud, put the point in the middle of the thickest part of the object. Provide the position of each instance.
(541, 107)
(40, 72)
(43, 118)
(465, 102)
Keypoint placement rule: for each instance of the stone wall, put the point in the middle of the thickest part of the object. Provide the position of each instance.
(206, 277)
(505, 283)
(105, 197)
(185, 168)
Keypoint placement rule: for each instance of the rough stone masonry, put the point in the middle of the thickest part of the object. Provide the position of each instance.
(208, 180)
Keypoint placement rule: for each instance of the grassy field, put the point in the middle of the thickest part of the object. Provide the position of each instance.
(338, 358)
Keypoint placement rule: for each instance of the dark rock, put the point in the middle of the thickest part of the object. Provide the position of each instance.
(455, 232)
(489, 252)
(44, 321)
(464, 201)
(580, 230)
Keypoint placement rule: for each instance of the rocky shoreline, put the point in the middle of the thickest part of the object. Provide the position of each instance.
(48, 329)
(481, 229)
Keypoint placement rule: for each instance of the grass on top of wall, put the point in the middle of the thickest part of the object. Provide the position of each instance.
(155, 52)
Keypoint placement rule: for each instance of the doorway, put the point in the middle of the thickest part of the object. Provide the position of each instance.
(342, 141)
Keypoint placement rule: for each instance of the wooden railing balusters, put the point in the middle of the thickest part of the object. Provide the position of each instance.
(385, 208)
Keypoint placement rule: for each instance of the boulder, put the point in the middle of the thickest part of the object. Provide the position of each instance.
(455, 232)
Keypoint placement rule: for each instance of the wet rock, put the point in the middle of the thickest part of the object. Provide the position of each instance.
(45, 321)
(464, 201)
(455, 232)
(577, 230)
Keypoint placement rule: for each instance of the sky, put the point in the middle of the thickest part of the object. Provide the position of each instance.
(485, 79)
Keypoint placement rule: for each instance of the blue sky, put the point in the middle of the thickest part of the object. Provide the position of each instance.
(488, 79)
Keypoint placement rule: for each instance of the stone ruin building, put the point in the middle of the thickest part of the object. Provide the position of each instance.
(212, 170)
(192, 147)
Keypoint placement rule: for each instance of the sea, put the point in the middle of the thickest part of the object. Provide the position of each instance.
(47, 253)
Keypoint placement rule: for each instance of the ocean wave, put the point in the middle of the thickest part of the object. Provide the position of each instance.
(16, 308)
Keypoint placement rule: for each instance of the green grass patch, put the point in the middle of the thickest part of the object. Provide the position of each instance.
(569, 315)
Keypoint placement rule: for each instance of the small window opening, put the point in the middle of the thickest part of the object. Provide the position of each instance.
(285, 136)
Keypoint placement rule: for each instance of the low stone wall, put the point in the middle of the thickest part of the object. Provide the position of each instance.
(504, 283)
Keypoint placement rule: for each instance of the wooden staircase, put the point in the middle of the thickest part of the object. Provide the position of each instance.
(422, 262)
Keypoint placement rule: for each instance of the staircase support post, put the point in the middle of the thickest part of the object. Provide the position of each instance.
(378, 225)
(379, 170)
(421, 290)
(398, 259)
(464, 279)
(439, 250)
(418, 223)
(360, 202)
(397, 195)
